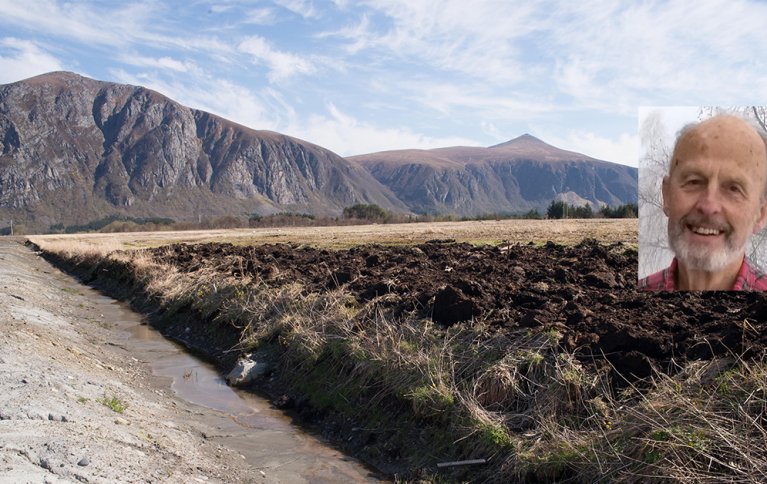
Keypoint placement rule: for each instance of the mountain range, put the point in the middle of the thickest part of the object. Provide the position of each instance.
(73, 149)
(522, 174)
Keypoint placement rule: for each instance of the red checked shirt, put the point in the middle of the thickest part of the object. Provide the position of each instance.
(749, 278)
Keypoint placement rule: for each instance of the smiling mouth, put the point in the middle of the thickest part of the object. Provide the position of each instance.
(704, 230)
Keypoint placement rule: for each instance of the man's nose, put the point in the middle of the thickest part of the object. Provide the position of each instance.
(710, 201)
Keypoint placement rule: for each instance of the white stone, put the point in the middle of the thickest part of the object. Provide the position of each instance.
(245, 371)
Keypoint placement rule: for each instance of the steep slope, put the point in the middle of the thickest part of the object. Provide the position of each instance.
(522, 174)
(73, 149)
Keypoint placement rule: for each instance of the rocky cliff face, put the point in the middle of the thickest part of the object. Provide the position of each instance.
(522, 174)
(73, 149)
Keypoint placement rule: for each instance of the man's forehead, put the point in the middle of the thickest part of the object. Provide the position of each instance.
(725, 138)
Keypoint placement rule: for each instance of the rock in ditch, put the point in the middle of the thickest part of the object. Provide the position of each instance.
(283, 402)
(246, 371)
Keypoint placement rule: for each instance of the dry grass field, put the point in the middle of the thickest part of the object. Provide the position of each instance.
(543, 362)
(475, 232)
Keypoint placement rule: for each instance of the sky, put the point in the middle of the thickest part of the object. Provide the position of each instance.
(371, 75)
(669, 121)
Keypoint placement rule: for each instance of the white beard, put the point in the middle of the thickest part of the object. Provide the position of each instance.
(702, 258)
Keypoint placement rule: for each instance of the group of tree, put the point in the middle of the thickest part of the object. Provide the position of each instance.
(560, 209)
(629, 210)
(563, 210)
(284, 219)
(556, 210)
(371, 212)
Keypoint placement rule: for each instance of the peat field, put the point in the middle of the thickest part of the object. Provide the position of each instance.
(586, 293)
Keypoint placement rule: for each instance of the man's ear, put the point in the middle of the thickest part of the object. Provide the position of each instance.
(666, 195)
(762, 218)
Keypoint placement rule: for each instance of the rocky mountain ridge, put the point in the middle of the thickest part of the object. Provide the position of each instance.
(518, 175)
(73, 149)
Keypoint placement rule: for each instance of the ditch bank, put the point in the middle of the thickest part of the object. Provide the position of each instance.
(216, 341)
(516, 362)
(90, 394)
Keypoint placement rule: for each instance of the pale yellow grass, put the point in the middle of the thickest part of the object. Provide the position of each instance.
(70, 246)
(477, 232)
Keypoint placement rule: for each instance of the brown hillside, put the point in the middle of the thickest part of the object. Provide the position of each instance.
(73, 149)
(518, 175)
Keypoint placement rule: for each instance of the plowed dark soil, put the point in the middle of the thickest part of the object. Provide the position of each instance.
(586, 292)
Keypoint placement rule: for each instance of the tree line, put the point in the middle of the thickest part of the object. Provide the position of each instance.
(563, 210)
(355, 214)
(556, 210)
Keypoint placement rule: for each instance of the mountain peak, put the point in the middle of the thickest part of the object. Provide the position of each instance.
(524, 139)
(526, 136)
(55, 78)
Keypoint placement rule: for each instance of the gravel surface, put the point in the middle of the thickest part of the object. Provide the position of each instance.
(60, 363)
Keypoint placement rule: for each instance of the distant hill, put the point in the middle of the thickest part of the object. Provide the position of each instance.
(73, 149)
(516, 176)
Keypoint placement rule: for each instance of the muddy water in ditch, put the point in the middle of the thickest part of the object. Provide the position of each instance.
(243, 422)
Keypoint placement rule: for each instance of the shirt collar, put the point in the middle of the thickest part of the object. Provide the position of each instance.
(743, 281)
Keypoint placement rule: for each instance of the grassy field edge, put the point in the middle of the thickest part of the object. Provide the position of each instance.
(406, 396)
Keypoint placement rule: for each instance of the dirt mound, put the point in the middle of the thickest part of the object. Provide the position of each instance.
(584, 292)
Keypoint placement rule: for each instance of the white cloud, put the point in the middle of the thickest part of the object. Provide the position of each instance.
(281, 64)
(481, 39)
(260, 16)
(624, 149)
(303, 8)
(341, 4)
(80, 21)
(598, 54)
(161, 62)
(493, 131)
(254, 109)
(357, 34)
(96, 25)
(659, 52)
(220, 8)
(347, 136)
(469, 99)
(26, 60)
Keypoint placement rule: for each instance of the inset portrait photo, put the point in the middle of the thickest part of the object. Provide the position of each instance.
(702, 198)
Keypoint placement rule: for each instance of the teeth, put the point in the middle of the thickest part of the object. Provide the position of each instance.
(705, 231)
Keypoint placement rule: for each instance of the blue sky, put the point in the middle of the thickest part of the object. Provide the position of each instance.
(364, 76)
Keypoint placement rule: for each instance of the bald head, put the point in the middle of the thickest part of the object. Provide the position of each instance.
(727, 138)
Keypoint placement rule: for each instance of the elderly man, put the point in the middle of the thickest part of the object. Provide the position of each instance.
(715, 197)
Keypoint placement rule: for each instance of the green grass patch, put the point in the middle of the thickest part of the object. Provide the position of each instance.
(114, 403)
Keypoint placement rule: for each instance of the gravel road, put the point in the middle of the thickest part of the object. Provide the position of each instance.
(59, 365)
